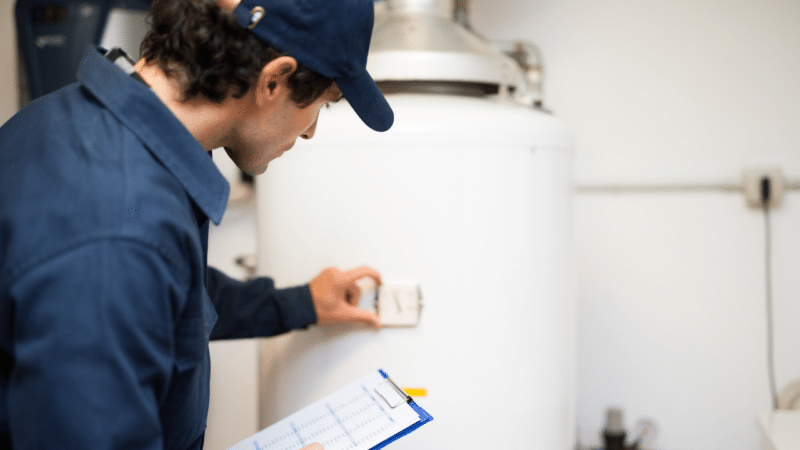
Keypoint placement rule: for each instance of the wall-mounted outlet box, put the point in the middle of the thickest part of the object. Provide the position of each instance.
(752, 182)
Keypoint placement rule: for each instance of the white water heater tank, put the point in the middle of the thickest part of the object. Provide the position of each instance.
(469, 198)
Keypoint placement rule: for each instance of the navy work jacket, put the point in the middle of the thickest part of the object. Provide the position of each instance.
(106, 303)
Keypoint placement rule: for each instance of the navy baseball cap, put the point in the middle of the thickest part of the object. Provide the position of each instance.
(330, 37)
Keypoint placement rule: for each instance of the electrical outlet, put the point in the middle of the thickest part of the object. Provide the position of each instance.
(751, 184)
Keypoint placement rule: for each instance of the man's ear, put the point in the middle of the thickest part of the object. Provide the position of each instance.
(272, 81)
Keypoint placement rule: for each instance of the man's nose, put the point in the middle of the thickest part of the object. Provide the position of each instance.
(309, 133)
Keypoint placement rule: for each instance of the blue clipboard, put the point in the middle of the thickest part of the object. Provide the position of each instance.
(337, 420)
(424, 417)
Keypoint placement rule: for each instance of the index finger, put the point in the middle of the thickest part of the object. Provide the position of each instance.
(361, 272)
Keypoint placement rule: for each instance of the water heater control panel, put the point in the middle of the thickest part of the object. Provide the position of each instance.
(399, 304)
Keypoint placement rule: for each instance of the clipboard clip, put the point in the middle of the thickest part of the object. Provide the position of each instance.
(391, 393)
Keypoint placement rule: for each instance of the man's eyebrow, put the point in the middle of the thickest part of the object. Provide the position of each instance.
(337, 96)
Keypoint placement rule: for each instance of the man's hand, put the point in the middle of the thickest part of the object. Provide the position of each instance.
(336, 293)
(313, 446)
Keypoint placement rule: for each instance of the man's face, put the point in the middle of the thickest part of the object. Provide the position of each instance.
(269, 132)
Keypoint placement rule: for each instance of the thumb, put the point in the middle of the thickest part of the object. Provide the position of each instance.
(364, 316)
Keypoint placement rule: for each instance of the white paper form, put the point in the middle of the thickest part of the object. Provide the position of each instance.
(354, 417)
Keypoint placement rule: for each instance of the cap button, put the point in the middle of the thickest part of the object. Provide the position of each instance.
(255, 16)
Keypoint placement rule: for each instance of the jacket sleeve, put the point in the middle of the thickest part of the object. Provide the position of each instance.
(93, 348)
(255, 308)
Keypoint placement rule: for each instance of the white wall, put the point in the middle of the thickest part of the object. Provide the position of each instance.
(9, 98)
(671, 285)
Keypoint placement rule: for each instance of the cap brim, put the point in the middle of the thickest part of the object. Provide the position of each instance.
(367, 101)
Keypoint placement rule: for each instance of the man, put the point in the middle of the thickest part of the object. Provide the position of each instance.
(106, 191)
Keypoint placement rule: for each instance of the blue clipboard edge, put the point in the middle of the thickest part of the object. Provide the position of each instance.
(424, 418)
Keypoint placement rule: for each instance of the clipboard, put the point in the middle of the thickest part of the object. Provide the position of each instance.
(369, 413)
(424, 417)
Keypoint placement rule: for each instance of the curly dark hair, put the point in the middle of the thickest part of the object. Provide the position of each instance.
(213, 56)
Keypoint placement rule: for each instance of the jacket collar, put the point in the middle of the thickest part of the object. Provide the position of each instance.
(139, 109)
